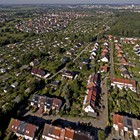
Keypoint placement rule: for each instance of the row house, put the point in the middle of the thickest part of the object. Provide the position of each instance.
(94, 51)
(129, 40)
(45, 104)
(90, 100)
(124, 72)
(22, 129)
(51, 132)
(136, 49)
(89, 103)
(105, 53)
(120, 54)
(124, 83)
(121, 58)
(93, 78)
(126, 124)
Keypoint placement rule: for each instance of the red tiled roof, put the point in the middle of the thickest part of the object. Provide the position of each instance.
(124, 81)
(57, 131)
(119, 55)
(14, 123)
(118, 120)
(30, 130)
(53, 131)
(90, 85)
(38, 72)
(69, 133)
(92, 93)
(104, 53)
(104, 68)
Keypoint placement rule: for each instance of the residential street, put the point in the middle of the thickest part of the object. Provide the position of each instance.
(105, 101)
(99, 123)
(111, 60)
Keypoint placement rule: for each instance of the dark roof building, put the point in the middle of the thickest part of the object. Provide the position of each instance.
(23, 129)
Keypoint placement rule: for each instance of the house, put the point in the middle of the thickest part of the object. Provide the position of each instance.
(23, 129)
(34, 63)
(48, 104)
(34, 101)
(14, 85)
(55, 84)
(45, 104)
(122, 68)
(52, 133)
(13, 125)
(104, 58)
(126, 124)
(89, 103)
(93, 53)
(92, 57)
(82, 136)
(90, 100)
(81, 65)
(68, 74)
(93, 78)
(125, 74)
(104, 69)
(30, 130)
(118, 122)
(69, 134)
(71, 51)
(7, 89)
(38, 72)
(136, 127)
(124, 83)
(119, 55)
(2, 70)
(17, 99)
(57, 103)
(106, 44)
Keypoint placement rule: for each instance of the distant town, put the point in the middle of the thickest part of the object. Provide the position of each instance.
(70, 72)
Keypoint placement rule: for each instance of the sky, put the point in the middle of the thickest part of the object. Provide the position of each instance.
(69, 1)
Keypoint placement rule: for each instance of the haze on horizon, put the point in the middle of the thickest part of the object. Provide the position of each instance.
(69, 1)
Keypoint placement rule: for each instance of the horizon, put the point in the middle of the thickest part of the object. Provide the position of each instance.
(64, 2)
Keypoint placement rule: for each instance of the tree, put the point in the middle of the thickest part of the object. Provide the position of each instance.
(0, 133)
(101, 135)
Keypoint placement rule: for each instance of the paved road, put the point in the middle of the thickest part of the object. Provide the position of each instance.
(56, 74)
(111, 60)
(105, 101)
(81, 52)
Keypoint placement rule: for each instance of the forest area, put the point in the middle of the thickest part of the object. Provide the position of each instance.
(126, 25)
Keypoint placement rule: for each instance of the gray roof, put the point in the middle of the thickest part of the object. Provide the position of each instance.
(17, 99)
(21, 128)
